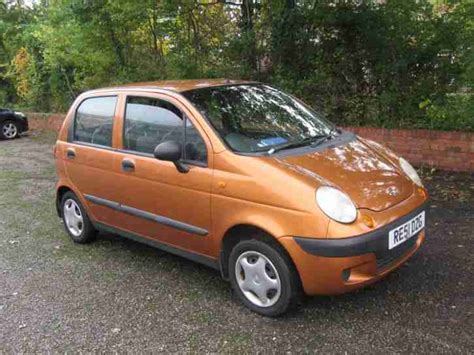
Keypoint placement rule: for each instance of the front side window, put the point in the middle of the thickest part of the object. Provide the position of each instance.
(94, 120)
(195, 148)
(150, 121)
(252, 118)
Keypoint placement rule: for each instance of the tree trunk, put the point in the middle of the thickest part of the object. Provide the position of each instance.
(247, 26)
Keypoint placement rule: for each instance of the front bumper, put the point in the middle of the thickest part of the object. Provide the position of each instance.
(22, 122)
(334, 266)
(24, 125)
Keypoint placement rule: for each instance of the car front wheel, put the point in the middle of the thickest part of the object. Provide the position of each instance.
(9, 130)
(263, 277)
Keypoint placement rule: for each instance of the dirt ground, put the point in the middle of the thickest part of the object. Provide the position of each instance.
(118, 295)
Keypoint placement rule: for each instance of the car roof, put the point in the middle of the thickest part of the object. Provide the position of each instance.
(179, 85)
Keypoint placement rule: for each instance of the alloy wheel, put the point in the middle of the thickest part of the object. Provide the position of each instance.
(10, 131)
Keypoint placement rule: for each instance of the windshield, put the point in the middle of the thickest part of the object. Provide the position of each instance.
(253, 118)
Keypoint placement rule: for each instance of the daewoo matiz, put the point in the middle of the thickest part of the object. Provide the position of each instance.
(243, 178)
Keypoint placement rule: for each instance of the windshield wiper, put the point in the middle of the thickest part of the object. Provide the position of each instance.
(335, 131)
(325, 137)
(314, 140)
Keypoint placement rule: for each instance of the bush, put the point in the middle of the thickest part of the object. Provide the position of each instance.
(456, 113)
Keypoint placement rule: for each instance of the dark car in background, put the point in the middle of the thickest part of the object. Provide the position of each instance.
(12, 123)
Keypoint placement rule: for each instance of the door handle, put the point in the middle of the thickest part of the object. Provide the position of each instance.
(70, 153)
(128, 165)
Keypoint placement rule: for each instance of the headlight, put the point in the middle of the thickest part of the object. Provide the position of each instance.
(410, 171)
(18, 113)
(336, 204)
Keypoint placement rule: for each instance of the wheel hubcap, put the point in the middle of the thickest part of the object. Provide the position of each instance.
(73, 217)
(258, 279)
(9, 130)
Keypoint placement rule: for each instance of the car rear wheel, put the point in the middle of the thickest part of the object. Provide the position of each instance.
(76, 221)
(263, 277)
(9, 130)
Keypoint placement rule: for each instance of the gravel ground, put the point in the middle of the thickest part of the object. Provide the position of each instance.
(118, 295)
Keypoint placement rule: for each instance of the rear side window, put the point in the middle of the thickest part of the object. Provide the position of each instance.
(94, 120)
(149, 122)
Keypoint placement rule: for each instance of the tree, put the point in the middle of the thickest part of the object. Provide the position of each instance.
(391, 63)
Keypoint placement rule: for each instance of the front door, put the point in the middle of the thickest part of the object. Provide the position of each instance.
(158, 201)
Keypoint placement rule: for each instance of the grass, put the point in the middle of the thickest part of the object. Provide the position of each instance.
(44, 136)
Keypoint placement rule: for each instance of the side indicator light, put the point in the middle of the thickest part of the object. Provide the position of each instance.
(422, 192)
(368, 221)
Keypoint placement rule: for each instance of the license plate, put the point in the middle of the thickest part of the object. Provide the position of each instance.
(405, 231)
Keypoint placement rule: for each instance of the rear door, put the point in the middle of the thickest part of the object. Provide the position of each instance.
(160, 202)
(89, 154)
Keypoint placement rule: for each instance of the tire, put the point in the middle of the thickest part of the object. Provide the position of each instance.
(76, 221)
(267, 267)
(9, 130)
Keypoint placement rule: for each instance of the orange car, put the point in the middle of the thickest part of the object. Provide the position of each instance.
(240, 177)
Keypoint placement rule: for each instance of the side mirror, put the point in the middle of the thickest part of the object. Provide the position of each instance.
(171, 151)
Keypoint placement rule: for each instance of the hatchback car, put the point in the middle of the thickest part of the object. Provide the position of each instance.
(12, 123)
(243, 178)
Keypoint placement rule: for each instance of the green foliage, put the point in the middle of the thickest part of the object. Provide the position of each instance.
(455, 113)
(397, 63)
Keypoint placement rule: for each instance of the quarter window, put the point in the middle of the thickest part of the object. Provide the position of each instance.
(94, 120)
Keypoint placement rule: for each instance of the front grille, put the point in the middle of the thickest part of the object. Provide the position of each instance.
(388, 257)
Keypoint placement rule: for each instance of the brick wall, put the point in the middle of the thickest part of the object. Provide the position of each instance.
(49, 121)
(444, 150)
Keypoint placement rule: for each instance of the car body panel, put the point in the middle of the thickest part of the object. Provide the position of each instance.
(372, 181)
(239, 197)
(92, 172)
